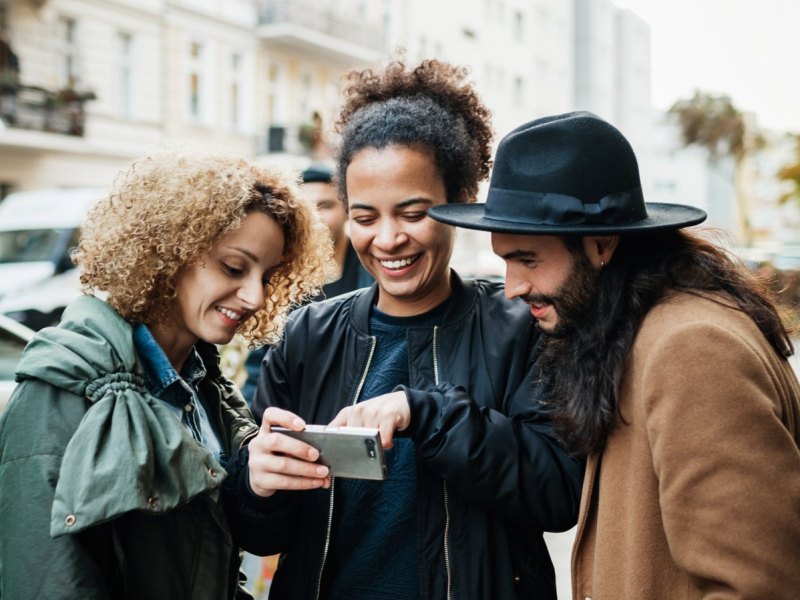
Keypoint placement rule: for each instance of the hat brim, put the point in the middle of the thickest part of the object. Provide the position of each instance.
(659, 216)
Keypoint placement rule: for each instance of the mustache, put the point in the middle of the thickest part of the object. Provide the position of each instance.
(539, 299)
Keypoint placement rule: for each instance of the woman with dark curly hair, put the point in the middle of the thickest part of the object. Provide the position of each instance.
(442, 367)
(114, 445)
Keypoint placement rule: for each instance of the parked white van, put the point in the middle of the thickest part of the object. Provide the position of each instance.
(37, 231)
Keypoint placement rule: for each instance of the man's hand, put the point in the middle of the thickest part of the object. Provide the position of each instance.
(388, 413)
(280, 462)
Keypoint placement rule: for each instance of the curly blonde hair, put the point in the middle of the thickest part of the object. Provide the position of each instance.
(168, 210)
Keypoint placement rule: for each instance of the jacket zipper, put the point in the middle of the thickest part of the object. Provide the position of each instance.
(333, 479)
(247, 437)
(444, 483)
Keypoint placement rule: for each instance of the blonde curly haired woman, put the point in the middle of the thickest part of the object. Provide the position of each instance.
(114, 446)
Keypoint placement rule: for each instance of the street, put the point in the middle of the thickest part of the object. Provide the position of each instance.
(560, 546)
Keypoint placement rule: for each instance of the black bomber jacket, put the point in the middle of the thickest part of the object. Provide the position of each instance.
(481, 513)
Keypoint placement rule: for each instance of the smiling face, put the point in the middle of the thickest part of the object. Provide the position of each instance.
(559, 284)
(389, 192)
(224, 289)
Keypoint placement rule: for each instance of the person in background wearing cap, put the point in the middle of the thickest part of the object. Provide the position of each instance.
(666, 363)
(318, 189)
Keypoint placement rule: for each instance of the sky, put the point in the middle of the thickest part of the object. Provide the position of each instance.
(747, 49)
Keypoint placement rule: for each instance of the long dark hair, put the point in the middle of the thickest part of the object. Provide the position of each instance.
(583, 371)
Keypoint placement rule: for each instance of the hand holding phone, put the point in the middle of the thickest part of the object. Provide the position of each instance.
(279, 462)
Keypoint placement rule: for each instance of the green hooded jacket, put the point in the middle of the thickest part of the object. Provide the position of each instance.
(103, 493)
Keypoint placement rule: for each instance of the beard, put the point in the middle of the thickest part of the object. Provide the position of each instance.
(573, 300)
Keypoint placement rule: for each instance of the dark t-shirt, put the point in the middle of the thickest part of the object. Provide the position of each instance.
(373, 553)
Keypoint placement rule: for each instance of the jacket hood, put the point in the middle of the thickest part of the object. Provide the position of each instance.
(92, 340)
(129, 452)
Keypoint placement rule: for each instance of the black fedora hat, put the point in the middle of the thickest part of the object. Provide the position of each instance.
(566, 174)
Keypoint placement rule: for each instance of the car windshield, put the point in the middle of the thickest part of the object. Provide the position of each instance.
(11, 348)
(28, 245)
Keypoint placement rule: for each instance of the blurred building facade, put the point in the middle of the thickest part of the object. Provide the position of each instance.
(103, 81)
(100, 82)
(774, 223)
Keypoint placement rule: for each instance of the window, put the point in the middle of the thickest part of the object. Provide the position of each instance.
(519, 92)
(68, 72)
(195, 81)
(125, 74)
(235, 91)
(277, 96)
(5, 189)
(4, 16)
(305, 97)
(519, 26)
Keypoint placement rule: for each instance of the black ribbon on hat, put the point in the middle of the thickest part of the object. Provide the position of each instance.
(535, 208)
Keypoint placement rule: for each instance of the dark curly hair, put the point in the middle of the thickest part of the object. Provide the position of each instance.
(431, 107)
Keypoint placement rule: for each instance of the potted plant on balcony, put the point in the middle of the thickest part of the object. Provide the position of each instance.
(9, 87)
(307, 135)
(9, 82)
(69, 95)
(67, 114)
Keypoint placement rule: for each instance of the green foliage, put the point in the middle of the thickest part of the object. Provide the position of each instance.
(791, 173)
(713, 122)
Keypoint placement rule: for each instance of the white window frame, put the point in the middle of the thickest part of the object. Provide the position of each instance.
(195, 80)
(67, 52)
(125, 68)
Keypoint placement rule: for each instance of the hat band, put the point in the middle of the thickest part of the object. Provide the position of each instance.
(535, 208)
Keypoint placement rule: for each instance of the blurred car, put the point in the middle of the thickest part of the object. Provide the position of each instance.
(13, 338)
(42, 303)
(37, 231)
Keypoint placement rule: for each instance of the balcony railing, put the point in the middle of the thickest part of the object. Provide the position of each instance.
(326, 20)
(31, 107)
(292, 139)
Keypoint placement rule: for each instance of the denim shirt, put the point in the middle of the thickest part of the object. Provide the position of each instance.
(181, 393)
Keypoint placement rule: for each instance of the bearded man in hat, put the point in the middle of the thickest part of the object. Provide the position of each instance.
(666, 363)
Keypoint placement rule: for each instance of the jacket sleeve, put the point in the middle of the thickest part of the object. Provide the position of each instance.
(728, 468)
(511, 461)
(262, 525)
(32, 442)
(258, 525)
(274, 378)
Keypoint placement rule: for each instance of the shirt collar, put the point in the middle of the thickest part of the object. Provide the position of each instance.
(159, 373)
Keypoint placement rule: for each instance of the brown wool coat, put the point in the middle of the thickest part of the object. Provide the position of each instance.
(697, 495)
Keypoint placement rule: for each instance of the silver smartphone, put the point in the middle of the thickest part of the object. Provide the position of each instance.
(353, 452)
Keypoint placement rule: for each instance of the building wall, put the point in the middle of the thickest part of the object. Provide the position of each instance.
(519, 53)
(595, 57)
(134, 56)
(633, 112)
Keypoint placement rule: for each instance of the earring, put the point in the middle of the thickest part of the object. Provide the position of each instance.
(602, 264)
